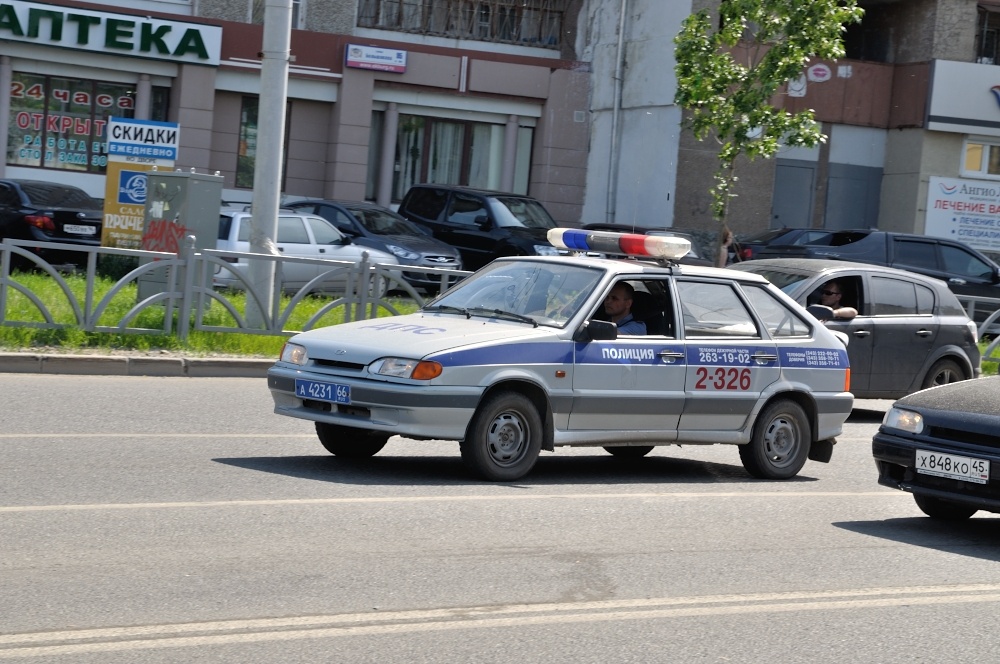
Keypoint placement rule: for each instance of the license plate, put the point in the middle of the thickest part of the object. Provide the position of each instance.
(332, 392)
(79, 230)
(954, 467)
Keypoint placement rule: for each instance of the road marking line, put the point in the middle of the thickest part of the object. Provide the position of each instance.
(431, 499)
(144, 637)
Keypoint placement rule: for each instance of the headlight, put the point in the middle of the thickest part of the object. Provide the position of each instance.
(402, 367)
(904, 420)
(294, 353)
(546, 250)
(402, 253)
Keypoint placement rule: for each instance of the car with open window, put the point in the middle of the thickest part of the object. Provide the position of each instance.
(520, 357)
(910, 331)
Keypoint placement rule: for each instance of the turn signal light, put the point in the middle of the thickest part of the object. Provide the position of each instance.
(847, 380)
(40, 221)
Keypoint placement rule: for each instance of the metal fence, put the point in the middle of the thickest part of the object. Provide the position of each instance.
(187, 290)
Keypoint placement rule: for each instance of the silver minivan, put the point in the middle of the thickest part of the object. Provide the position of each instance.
(301, 236)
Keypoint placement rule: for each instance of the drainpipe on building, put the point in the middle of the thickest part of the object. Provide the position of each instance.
(6, 78)
(268, 159)
(143, 97)
(615, 112)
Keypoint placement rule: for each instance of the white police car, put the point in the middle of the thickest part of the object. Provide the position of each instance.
(516, 359)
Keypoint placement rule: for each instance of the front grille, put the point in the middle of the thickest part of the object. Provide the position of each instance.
(964, 437)
(339, 364)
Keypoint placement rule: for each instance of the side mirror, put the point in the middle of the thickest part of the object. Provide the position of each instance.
(483, 221)
(343, 241)
(597, 330)
(820, 312)
(996, 276)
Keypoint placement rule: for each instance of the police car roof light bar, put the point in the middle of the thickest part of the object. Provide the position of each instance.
(626, 244)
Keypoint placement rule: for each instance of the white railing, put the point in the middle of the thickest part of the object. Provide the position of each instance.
(186, 289)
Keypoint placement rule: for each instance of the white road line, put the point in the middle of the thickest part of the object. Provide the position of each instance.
(433, 499)
(121, 639)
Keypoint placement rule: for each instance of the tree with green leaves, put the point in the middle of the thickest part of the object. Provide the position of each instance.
(730, 71)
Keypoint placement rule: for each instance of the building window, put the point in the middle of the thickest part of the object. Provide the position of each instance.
(987, 41)
(246, 151)
(60, 122)
(530, 22)
(298, 13)
(449, 151)
(981, 158)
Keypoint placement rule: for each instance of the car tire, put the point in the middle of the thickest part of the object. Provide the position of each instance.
(779, 445)
(629, 452)
(350, 443)
(943, 510)
(942, 373)
(504, 438)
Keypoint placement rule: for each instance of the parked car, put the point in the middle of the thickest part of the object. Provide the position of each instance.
(965, 270)
(49, 212)
(692, 257)
(910, 332)
(943, 446)
(515, 359)
(370, 225)
(748, 247)
(481, 224)
(300, 235)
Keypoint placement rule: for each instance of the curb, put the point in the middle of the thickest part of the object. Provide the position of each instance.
(115, 365)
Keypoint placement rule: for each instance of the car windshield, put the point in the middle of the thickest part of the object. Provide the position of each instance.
(547, 293)
(385, 222)
(526, 212)
(43, 194)
(786, 281)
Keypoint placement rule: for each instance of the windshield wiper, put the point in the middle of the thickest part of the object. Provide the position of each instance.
(500, 313)
(449, 309)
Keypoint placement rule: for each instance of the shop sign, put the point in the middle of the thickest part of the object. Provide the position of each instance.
(135, 147)
(964, 210)
(115, 34)
(378, 59)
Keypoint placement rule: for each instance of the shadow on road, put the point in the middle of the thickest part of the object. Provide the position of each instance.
(601, 469)
(865, 416)
(975, 538)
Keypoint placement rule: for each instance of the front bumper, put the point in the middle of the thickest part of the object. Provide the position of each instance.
(895, 458)
(412, 410)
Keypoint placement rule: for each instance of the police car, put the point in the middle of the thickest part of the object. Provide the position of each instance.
(519, 358)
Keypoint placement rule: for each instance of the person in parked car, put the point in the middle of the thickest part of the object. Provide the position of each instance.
(831, 295)
(618, 307)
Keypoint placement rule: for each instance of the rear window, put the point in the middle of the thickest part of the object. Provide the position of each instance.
(44, 194)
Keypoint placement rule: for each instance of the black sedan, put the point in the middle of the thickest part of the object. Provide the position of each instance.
(746, 248)
(371, 225)
(943, 446)
(49, 212)
(905, 331)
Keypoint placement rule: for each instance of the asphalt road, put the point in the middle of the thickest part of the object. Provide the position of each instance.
(178, 520)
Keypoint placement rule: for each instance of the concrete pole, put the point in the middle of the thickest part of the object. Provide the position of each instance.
(507, 169)
(269, 156)
(143, 97)
(387, 162)
(6, 78)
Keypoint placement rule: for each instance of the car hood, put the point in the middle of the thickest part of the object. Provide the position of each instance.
(539, 235)
(423, 244)
(418, 336)
(978, 396)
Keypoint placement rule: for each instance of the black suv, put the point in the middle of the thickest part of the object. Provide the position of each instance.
(965, 270)
(481, 224)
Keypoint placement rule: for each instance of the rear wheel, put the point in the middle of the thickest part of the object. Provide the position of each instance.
(943, 510)
(350, 443)
(779, 445)
(504, 438)
(631, 452)
(942, 373)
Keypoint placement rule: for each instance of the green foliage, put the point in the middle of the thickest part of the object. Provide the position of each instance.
(19, 308)
(729, 77)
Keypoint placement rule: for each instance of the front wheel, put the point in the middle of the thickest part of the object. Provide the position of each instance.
(350, 443)
(942, 373)
(943, 510)
(504, 438)
(779, 445)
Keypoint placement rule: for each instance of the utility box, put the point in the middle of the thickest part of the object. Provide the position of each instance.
(178, 204)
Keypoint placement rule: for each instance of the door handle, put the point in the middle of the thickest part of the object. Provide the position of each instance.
(670, 355)
(281, 248)
(322, 251)
(862, 333)
(763, 357)
(924, 333)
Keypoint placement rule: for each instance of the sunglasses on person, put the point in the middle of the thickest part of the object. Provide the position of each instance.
(831, 292)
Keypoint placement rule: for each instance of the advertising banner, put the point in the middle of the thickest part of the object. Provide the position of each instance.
(965, 210)
(134, 147)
